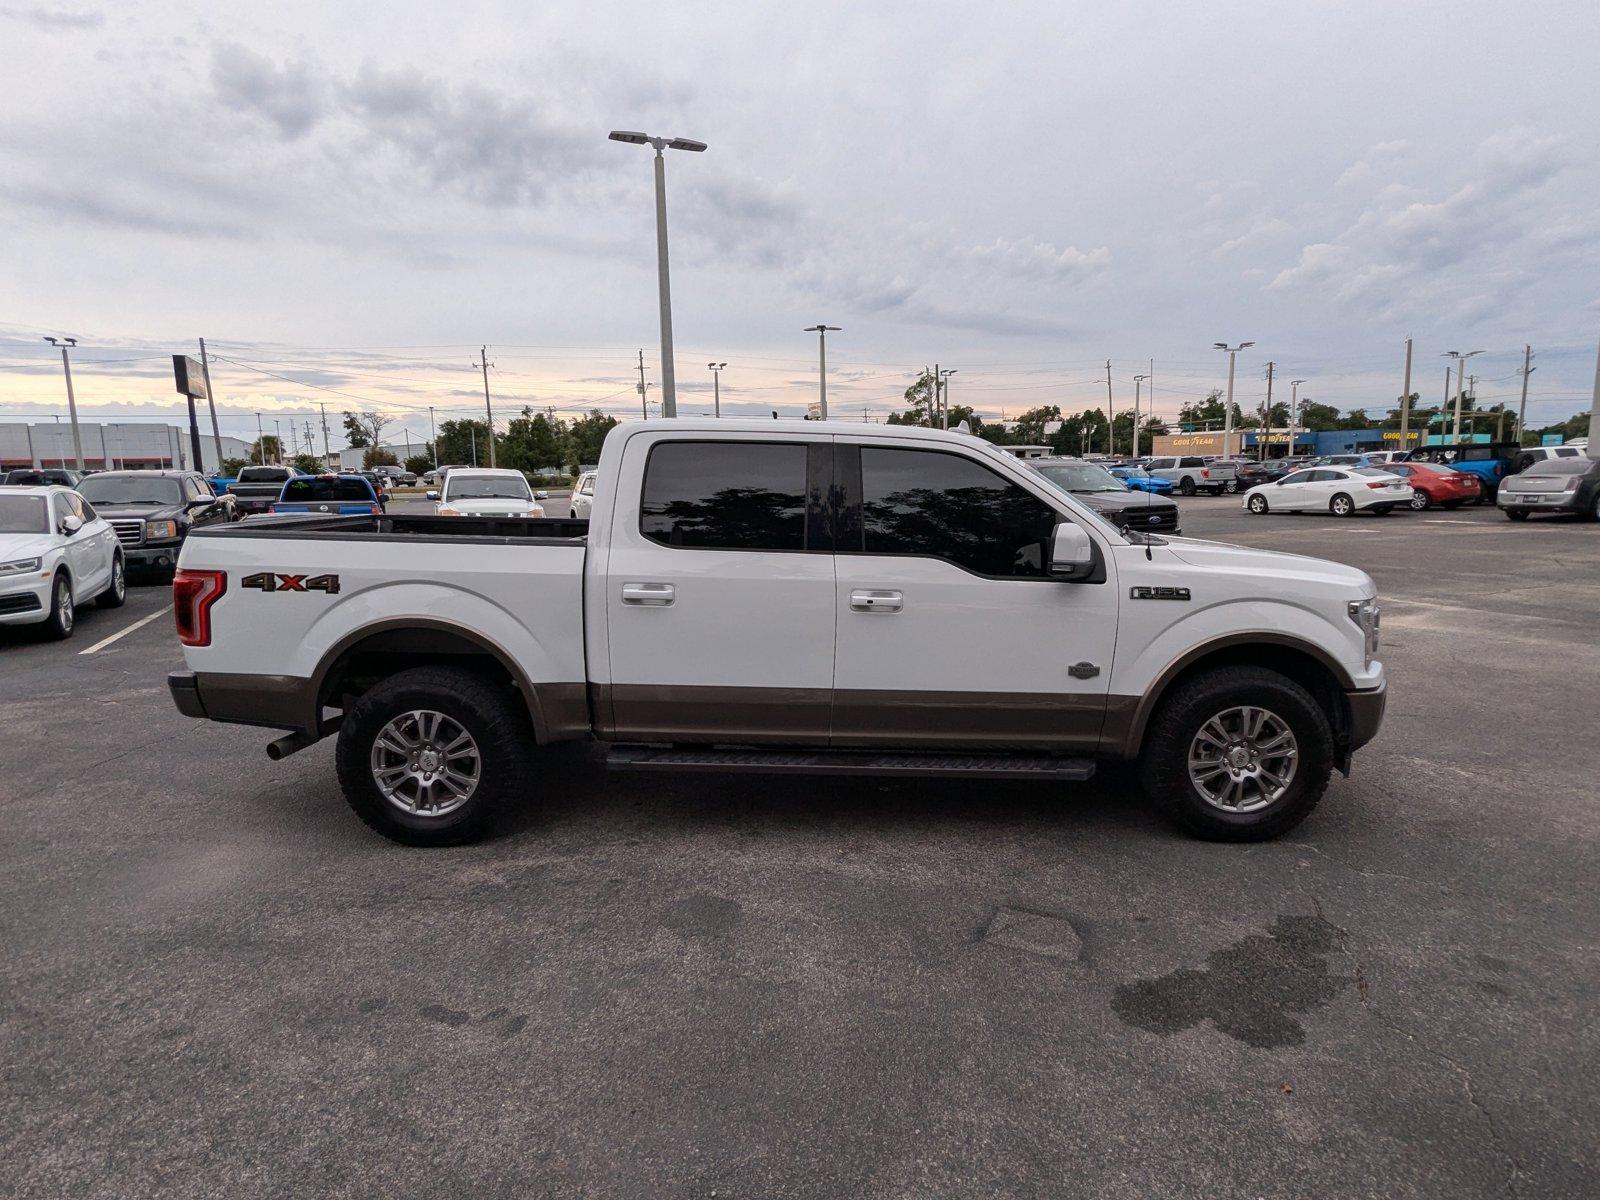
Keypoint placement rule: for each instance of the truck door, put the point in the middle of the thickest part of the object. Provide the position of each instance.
(719, 592)
(951, 631)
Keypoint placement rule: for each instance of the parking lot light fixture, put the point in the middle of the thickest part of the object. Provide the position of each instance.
(822, 331)
(1227, 411)
(716, 385)
(1461, 388)
(669, 386)
(65, 344)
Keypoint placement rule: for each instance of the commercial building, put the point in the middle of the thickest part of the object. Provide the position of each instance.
(1248, 442)
(106, 447)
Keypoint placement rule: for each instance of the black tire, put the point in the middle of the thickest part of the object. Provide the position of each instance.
(1349, 505)
(1420, 500)
(1516, 514)
(1230, 486)
(1164, 758)
(116, 595)
(1186, 486)
(1257, 504)
(490, 712)
(63, 615)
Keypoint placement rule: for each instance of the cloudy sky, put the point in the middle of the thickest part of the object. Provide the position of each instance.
(356, 196)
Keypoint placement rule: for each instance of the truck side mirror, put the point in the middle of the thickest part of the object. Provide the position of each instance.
(432, 495)
(1071, 553)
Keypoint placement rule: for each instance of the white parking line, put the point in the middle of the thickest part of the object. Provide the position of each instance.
(122, 633)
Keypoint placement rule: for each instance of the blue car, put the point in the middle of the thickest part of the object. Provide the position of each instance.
(1137, 479)
(1489, 461)
(328, 496)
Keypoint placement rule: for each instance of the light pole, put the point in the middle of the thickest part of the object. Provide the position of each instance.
(716, 385)
(669, 390)
(1294, 401)
(72, 401)
(822, 331)
(1138, 383)
(261, 442)
(488, 405)
(944, 408)
(433, 435)
(1227, 411)
(1461, 359)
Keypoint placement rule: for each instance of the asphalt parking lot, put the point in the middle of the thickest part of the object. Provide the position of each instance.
(219, 983)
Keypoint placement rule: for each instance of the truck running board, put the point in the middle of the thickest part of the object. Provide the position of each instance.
(847, 762)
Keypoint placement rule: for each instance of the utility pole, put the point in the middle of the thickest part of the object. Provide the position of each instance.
(643, 403)
(327, 453)
(822, 331)
(1462, 360)
(211, 400)
(277, 438)
(72, 400)
(488, 405)
(1594, 413)
(1227, 411)
(261, 442)
(1111, 414)
(1294, 409)
(716, 385)
(434, 434)
(1266, 425)
(1138, 382)
(1522, 409)
(1405, 404)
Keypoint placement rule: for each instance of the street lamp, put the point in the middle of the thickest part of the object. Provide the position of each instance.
(72, 401)
(1294, 402)
(944, 408)
(716, 385)
(1138, 383)
(669, 391)
(1227, 412)
(822, 331)
(1462, 359)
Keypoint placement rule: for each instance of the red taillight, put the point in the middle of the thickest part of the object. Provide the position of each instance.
(1204, 473)
(193, 594)
(1377, 485)
(375, 511)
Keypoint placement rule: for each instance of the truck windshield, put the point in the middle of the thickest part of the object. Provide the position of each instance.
(487, 488)
(111, 490)
(23, 514)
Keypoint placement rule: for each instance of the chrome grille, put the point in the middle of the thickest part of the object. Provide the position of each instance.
(129, 533)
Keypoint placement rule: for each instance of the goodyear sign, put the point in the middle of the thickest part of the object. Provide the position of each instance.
(1393, 435)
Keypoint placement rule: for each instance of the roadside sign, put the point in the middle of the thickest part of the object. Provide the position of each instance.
(190, 377)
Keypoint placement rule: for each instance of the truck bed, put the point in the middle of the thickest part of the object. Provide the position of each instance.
(518, 531)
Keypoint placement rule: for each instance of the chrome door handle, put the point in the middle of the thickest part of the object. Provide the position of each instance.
(657, 594)
(872, 600)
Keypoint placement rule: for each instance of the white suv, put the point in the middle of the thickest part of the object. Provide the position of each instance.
(56, 552)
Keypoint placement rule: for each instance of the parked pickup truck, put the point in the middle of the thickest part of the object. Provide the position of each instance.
(807, 597)
(1191, 474)
(257, 488)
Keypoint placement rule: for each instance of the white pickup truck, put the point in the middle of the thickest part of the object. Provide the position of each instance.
(816, 597)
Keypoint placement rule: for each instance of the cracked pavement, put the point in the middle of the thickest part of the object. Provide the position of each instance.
(218, 982)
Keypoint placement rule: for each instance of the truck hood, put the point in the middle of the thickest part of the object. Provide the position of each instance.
(1117, 502)
(145, 512)
(1220, 556)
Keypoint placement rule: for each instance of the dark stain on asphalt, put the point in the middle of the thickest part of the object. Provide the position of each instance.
(1250, 990)
(703, 915)
(445, 1016)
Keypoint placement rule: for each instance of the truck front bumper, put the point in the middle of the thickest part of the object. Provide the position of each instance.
(159, 556)
(1366, 713)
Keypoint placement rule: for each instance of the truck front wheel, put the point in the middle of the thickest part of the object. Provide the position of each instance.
(1237, 754)
(427, 757)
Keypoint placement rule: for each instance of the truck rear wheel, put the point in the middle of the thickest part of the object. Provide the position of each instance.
(427, 757)
(1237, 754)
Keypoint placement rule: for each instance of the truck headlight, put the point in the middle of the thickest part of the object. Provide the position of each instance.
(1367, 615)
(19, 566)
(156, 530)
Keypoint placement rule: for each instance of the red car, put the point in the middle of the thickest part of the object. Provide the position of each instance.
(1432, 483)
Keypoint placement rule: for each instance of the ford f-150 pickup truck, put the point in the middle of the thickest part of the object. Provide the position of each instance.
(815, 597)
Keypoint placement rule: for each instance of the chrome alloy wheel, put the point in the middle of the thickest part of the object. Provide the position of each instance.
(425, 763)
(1243, 759)
(64, 604)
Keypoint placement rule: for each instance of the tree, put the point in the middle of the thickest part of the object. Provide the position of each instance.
(920, 398)
(365, 429)
(584, 437)
(232, 466)
(309, 463)
(378, 456)
(419, 463)
(533, 441)
(463, 442)
(265, 450)
(1314, 416)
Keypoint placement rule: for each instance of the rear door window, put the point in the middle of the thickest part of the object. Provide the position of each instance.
(941, 505)
(726, 495)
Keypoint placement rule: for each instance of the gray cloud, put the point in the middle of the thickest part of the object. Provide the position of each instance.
(292, 97)
(52, 18)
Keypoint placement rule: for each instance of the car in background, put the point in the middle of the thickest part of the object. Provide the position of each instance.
(328, 496)
(1489, 461)
(1433, 483)
(1191, 473)
(1380, 458)
(1557, 485)
(1129, 510)
(1529, 455)
(41, 477)
(1141, 480)
(583, 496)
(486, 492)
(257, 489)
(380, 489)
(152, 512)
(1249, 472)
(56, 552)
(1342, 491)
(393, 476)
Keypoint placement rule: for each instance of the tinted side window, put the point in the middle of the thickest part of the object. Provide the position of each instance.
(726, 495)
(305, 490)
(1192, 462)
(946, 506)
